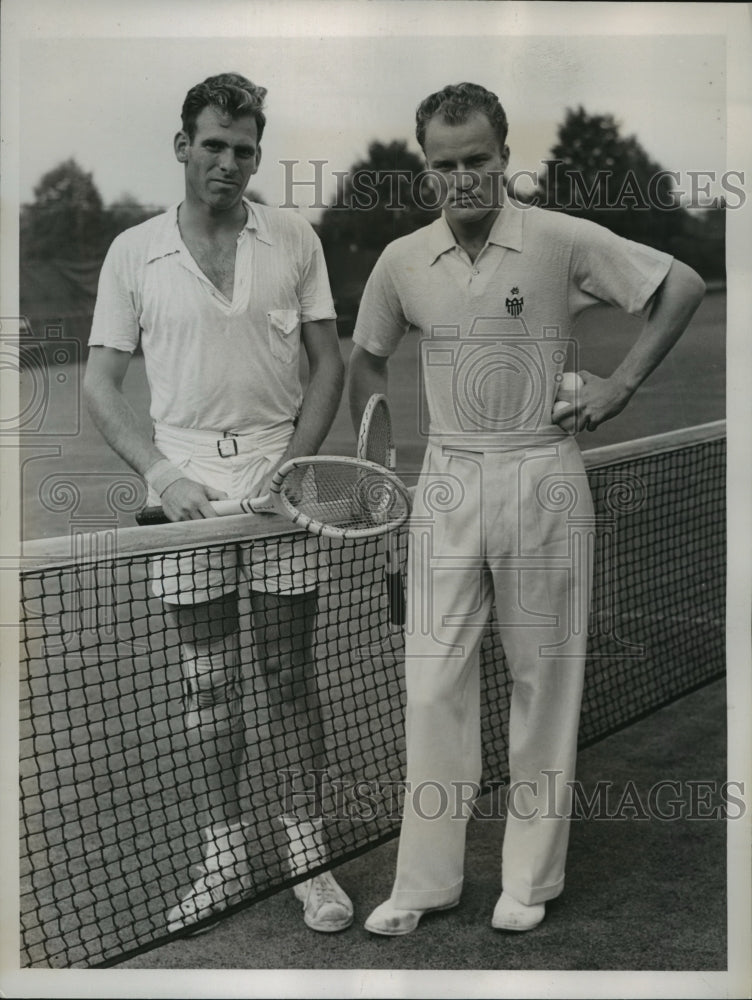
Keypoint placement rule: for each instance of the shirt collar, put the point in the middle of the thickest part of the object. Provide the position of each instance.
(167, 239)
(505, 232)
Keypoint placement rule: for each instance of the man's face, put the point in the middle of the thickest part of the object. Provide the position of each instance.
(470, 165)
(221, 160)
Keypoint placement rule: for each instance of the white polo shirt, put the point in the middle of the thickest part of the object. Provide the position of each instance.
(212, 363)
(495, 331)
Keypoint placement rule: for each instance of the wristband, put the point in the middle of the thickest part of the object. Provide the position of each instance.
(161, 475)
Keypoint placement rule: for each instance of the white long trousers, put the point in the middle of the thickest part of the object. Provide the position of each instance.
(512, 529)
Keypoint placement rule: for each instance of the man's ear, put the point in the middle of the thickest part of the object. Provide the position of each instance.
(180, 145)
(258, 158)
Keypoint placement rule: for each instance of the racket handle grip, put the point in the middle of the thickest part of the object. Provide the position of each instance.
(396, 596)
(395, 588)
(152, 515)
(223, 508)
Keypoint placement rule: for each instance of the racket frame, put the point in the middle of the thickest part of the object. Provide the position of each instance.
(376, 403)
(276, 500)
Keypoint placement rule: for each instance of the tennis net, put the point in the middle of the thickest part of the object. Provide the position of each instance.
(110, 826)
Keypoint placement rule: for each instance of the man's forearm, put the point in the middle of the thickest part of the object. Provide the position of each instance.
(320, 404)
(368, 375)
(678, 298)
(603, 398)
(118, 425)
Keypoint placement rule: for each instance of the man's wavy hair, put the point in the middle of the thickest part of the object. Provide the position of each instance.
(229, 93)
(455, 103)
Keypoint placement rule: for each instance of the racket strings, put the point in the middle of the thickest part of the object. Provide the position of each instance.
(379, 447)
(348, 495)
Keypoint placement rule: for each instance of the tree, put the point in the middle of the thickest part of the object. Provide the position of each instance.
(122, 214)
(702, 243)
(66, 219)
(379, 200)
(597, 174)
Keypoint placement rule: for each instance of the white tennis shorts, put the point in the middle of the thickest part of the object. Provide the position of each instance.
(238, 466)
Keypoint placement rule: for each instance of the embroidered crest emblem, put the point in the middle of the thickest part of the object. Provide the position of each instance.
(514, 305)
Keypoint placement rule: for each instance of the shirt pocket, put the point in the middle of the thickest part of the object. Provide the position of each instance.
(282, 328)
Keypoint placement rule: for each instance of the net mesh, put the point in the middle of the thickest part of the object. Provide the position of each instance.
(112, 776)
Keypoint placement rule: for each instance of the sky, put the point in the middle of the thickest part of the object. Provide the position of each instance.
(112, 103)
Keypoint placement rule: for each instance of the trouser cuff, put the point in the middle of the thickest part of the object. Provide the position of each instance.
(532, 895)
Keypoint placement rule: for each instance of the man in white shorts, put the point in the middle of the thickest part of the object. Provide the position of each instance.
(503, 515)
(222, 293)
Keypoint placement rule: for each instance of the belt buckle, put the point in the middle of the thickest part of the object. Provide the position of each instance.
(224, 450)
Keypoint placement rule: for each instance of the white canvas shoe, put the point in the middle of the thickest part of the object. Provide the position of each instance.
(222, 880)
(326, 906)
(210, 893)
(391, 921)
(511, 915)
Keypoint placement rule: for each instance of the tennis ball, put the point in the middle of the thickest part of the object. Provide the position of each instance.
(570, 382)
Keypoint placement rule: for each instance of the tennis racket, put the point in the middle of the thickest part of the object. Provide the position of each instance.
(375, 440)
(376, 444)
(330, 496)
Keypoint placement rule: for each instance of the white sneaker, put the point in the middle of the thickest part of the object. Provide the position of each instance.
(392, 921)
(222, 878)
(210, 893)
(511, 915)
(326, 906)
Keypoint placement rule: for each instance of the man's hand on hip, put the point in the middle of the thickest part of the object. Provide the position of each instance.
(600, 399)
(187, 500)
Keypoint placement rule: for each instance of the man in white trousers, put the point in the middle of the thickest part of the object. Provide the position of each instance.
(503, 516)
(222, 293)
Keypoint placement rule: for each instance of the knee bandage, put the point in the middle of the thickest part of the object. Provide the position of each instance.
(212, 685)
